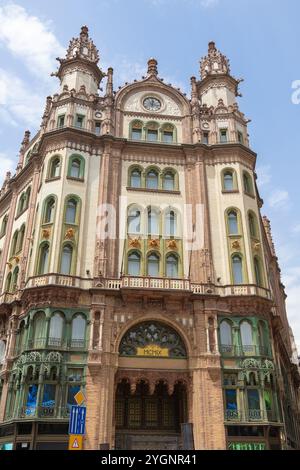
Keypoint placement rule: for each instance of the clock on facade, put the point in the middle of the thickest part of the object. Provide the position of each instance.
(98, 114)
(151, 104)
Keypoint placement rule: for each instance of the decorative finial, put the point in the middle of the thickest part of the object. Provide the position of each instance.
(214, 63)
(152, 67)
(83, 47)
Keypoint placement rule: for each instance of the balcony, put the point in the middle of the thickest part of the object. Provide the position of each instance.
(58, 280)
(44, 412)
(53, 343)
(244, 351)
(250, 416)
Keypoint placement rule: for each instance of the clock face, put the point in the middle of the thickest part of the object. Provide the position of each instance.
(98, 114)
(151, 104)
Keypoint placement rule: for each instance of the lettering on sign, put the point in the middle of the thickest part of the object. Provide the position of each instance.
(247, 446)
(153, 350)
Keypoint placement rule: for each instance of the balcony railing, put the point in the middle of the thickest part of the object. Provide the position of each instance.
(29, 412)
(247, 350)
(53, 343)
(250, 416)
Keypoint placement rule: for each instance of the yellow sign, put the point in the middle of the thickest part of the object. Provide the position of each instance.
(75, 442)
(153, 350)
(79, 397)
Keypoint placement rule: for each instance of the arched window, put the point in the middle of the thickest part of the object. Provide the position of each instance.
(15, 279)
(169, 181)
(21, 238)
(76, 167)
(8, 283)
(233, 228)
(153, 265)
(134, 221)
(66, 259)
(228, 182)
(49, 211)
(14, 243)
(28, 193)
(172, 266)
(153, 222)
(257, 270)
(54, 170)
(134, 264)
(22, 335)
(248, 187)
(263, 338)
(71, 211)
(56, 330)
(168, 134)
(170, 223)
(246, 337)
(78, 332)
(43, 259)
(252, 225)
(135, 178)
(136, 130)
(38, 336)
(152, 132)
(22, 203)
(4, 226)
(237, 269)
(152, 179)
(226, 336)
(2, 351)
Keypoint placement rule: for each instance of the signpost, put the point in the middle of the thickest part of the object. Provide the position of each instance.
(77, 423)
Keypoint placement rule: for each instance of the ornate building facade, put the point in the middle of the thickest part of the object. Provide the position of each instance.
(135, 265)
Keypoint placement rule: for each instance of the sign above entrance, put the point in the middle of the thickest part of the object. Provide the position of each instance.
(153, 350)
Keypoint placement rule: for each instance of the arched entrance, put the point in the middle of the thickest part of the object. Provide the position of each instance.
(151, 389)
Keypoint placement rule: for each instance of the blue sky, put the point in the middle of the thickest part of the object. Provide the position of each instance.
(261, 38)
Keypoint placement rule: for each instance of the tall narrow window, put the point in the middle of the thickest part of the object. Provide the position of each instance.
(153, 222)
(257, 270)
(240, 137)
(233, 223)
(228, 181)
(134, 221)
(134, 264)
(135, 178)
(136, 133)
(71, 211)
(49, 211)
(263, 339)
(66, 260)
(172, 266)
(226, 336)
(61, 120)
(248, 188)
(223, 135)
(2, 351)
(168, 181)
(54, 168)
(98, 128)
(170, 224)
(75, 168)
(252, 225)
(39, 330)
(21, 238)
(14, 243)
(15, 279)
(246, 337)
(56, 330)
(205, 137)
(44, 259)
(79, 121)
(237, 269)
(253, 404)
(152, 135)
(4, 226)
(78, 332)
(153, 265)
(168, 135)
(152, 179)
(8, 283)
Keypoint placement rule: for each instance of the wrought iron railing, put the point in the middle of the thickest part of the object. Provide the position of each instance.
(251, 415)
(247, 350)
(52, 343)
(54, 412)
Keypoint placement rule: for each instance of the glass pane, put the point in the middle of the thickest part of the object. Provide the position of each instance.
(225, 333)
(153, 223)
(246, 336)
(134, 262)
(44, 259)
(168, 182)
(136, 134)
(233, 223)
(168, 137)
(152, 135)
(78, 329)
(172, 266)
(31, 400)
(135, 179)
(75, 169)
(228, 181)
(152, 180)
(257, 272)
(231, 401)
(49, 395)
(170, 223)
(49, 211)
(66, 260)
(153, 265)
(253, 399)
(237, 270)
(72, 390)
(71, 212)
(56, 329)
(134, 222)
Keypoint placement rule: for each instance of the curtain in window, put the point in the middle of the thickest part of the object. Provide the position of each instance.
(49, 212)
(153, 265)
(237, 269)
(78, 331)
(134, 264)
(152, 180)
(233, 223)
(56, 330)
(168, 181)
(135, 179)
(134, 221)
(66, 260)
(172, 266)
(71, 211)
(75, 168)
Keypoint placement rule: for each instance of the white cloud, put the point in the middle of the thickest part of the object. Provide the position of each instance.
(6, 164)
(278, 199)
(264, 175)
(17, 104)
(29, 39)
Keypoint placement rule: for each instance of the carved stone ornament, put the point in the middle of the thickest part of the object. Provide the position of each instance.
(256, 246)
(134, 242)
(153, 243)
(172, 244)
(69, 233)
(46, 233)
(236, 245)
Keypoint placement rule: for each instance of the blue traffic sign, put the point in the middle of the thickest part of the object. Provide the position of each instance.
(77, 420)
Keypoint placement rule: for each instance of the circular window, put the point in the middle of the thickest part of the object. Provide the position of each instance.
(152, 104)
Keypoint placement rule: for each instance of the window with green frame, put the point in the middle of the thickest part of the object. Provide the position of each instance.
(76, 167)
(4, 226)
(248, 185)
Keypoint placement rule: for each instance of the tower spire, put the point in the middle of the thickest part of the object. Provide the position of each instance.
(214, 63)
(83, 47)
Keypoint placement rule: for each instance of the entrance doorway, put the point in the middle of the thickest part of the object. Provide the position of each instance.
(149, 419)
